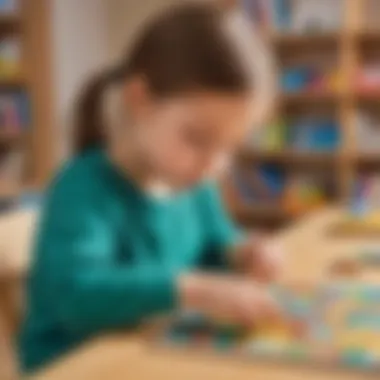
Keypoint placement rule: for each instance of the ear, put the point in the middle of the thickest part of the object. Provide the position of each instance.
(138, 97)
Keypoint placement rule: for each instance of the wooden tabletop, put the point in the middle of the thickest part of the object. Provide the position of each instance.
(311, 249)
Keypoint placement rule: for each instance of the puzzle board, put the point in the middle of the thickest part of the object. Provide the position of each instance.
(334, 325)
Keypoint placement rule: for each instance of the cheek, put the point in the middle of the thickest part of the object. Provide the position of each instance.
(220, 165)
(181, 159)
(168, 152)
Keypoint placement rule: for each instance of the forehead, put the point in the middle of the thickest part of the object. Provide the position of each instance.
(214, 111)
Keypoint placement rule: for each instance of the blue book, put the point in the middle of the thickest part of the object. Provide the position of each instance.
(326, 136)
(273, 178)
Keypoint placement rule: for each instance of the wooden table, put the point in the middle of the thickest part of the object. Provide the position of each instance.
(311, 248)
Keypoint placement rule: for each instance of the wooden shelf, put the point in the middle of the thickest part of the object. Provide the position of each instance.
(289, 156)
(12, 137)
(9, 190)
(270, 213)
(307, 98)
(9, 22)
(352, 45)
(368, 36)
(31, 26)
(296, 41)
(13, 82)
(369, 98)
(367, 158)
(9, 18)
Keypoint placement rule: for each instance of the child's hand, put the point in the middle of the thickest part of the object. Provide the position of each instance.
(227, 299)
(260, 258)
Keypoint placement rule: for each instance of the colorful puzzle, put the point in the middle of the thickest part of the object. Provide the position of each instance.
(335, 325)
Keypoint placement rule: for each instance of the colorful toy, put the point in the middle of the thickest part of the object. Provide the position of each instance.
(308, 133)
(334, 325)
(312, 133)
(322, 78)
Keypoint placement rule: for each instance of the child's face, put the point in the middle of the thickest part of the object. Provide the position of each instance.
(186, 140)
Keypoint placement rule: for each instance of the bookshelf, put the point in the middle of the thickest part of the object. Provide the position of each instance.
(351, 43)
(26, 109)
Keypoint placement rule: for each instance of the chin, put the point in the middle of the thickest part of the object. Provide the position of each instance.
(192, 183)
(185, 183)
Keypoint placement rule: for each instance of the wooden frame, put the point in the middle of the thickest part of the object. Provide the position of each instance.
(38, 58)
(32, 25)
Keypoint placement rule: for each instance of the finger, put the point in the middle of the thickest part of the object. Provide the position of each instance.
(251, 306)
(270, 309)
(241, 307)
(265, 273)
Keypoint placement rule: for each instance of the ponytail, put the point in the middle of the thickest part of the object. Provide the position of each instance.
(89, 123)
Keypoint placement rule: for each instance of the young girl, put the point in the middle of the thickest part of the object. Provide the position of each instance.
(133, 226)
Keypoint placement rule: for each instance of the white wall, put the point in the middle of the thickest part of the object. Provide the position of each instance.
(80, 39)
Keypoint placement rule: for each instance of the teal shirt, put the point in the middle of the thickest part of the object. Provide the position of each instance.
(108, 256)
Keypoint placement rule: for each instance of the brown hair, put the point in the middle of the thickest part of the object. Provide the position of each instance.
(181, 50)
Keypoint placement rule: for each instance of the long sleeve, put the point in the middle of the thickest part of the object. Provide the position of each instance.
(221, 231)
(86, 288)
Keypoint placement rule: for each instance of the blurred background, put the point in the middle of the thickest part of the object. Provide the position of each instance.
(320, 148)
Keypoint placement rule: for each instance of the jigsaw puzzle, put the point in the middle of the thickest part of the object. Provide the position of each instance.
(334, 325)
